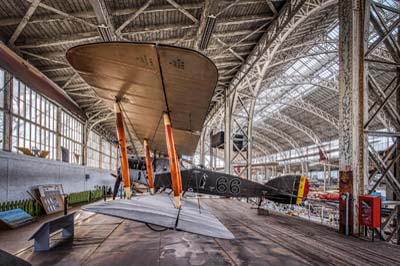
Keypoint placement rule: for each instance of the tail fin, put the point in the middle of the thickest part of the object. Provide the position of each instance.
(288, 189)
(302, 190)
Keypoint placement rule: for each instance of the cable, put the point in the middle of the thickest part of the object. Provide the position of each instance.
(162, 78)
(177, 218)
(129, 133)
(155, 132)
(156, 230)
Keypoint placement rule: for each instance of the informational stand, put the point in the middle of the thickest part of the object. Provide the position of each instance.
(42, 234)
(14, 218)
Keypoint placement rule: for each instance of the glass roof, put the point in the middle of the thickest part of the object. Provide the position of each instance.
(320, 64)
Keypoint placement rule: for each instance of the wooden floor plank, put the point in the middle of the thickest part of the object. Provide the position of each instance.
(259, 240)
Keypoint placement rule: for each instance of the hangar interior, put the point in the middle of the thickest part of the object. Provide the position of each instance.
(305, 88)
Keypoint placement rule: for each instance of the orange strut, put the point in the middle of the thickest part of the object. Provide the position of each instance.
(172, 160)
(179, 176)
(149, 168)
(124, 153)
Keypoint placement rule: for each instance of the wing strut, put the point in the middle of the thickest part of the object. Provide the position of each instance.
(123, 151)
(179, 176)
(173, 163)
(149, 166)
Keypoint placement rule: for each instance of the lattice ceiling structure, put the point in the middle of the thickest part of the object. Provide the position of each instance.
(301, 86)
(42, 31)
(295, 102)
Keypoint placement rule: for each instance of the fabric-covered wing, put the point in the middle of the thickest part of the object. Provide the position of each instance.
(151, 79)
(159, 210)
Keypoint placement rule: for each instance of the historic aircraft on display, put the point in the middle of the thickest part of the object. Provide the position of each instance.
(150, 85)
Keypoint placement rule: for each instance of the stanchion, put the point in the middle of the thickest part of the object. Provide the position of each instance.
(346, 196)
(65, 204)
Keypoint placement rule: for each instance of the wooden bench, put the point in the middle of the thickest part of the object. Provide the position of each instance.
(42, 235)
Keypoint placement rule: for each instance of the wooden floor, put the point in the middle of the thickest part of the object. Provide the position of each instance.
(259, 240)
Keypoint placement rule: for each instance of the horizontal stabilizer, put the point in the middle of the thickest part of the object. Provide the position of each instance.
(288, 189)
(159, 210)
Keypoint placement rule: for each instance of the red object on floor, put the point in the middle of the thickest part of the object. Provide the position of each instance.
(328, 196)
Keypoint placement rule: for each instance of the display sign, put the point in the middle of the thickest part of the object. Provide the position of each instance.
(52, 204)
(51, 197)
(50, 189)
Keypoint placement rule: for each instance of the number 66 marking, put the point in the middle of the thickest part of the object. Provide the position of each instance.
(222, 185)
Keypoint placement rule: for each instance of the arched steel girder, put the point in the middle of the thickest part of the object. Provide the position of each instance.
(262, 139)
(99, 120)
(299, 126)
(281, 25)
(297, 57)
(274, 52)
(265, 140)
(295, 145)
(279, 133)
(264, 150)
(216, 120)
(104, 132)
(305, 83)
(306, 45)
(292, 15)
(283, 81)
(331, 85)
(96, 115)
(309, 107)
(298, 80)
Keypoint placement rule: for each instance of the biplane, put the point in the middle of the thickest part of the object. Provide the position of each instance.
(162, 93)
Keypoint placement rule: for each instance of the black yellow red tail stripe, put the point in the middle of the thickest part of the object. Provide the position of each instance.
(303, 189)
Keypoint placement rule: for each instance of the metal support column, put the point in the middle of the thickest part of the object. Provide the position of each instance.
(85, 142)
(397, 153)
(227, 134)
(202, 151)
(249, 157)
(386, 110)
(211, 151)
(325, 176)
(58, 135)
(352, 106)
(8, 96)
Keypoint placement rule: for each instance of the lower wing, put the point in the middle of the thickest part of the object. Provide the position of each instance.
(159, 210)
